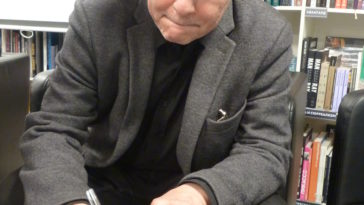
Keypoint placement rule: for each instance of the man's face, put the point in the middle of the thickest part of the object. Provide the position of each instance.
(183, 21)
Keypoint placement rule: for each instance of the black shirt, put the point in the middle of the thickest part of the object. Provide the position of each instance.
(151, 160)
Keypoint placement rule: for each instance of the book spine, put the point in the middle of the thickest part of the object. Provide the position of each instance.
(322, 85)
(349, 4)
(307, 136)
(313, 3)
(275, 2)
(327, 177)
(315, 79)
(38, 52)
(315, 160)
(344, 4)
(305, 179)
(310, 65)
(329, 87)
(338, 82)
(338, 4)
(360, 4)
(305, 46)
(321, 172)
(49, 50)
(345, 82)
(45, 59)
(356, 4)
(358, 71)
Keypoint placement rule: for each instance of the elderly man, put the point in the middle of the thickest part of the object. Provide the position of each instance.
(164, 102)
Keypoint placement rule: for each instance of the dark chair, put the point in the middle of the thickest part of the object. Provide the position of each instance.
(347, 172)
(14, 101)
(297, 103)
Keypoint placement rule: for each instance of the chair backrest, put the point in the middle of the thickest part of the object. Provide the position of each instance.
(14, 101)
(346, 185)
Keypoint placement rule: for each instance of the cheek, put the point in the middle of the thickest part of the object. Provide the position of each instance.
(158, 7)
(211, 15)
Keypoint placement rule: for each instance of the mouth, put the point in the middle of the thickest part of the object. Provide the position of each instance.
(184, 24)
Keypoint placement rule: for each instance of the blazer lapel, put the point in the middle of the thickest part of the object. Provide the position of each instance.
(207, 75)
(142, 48)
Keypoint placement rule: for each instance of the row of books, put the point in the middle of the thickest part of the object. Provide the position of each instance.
(316, 157)
(333, 71)
(284, 2)
(340, 4)
(42, 47)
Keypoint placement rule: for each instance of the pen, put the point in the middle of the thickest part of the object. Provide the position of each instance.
(92, 198)
(222, 115)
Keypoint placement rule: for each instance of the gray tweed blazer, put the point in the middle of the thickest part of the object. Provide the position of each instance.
(98, 94)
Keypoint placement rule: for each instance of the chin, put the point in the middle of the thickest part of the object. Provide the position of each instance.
(178, 39)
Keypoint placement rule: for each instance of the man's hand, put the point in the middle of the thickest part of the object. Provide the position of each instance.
(186, 194)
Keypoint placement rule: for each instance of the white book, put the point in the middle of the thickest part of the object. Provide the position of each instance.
(358, 71)
(45, 60)
(313, 3)
(321, 171)
(3, 41)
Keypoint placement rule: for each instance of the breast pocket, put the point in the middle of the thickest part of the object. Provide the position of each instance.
(216, 139)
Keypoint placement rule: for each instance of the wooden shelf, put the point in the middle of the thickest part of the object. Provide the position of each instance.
(321, 114)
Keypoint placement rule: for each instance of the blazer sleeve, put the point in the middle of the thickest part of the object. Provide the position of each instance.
(259, 158)
(53, 171)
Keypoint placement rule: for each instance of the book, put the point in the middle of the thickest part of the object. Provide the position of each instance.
(1, 42)
(321, 171)
(358, 71)
(306, 137)
(305, 178)
(337, 89)
(313, 3)
(335, 42)
(360, 4)
(349, 4)
(322, 85)
(45, 51)
(307, 44)
(38, 52)
(310, 66)
(327, 175)
(315, 160)
(330, 84)
(320, 56)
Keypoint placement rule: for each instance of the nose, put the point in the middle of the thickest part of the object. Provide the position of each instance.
(184, 7)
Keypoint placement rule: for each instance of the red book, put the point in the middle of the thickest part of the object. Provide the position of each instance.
(338, 4)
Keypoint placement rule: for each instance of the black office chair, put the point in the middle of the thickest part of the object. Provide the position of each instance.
(11, 188)
(347, 172)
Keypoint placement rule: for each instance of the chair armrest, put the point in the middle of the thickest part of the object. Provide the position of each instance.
(38, 87)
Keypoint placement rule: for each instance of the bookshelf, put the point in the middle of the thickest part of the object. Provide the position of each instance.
(41, 17)
(336, 22)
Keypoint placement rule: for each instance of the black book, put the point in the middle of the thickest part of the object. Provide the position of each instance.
(307, 44)
(327, 177)
(310, 65)
(320, 56)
